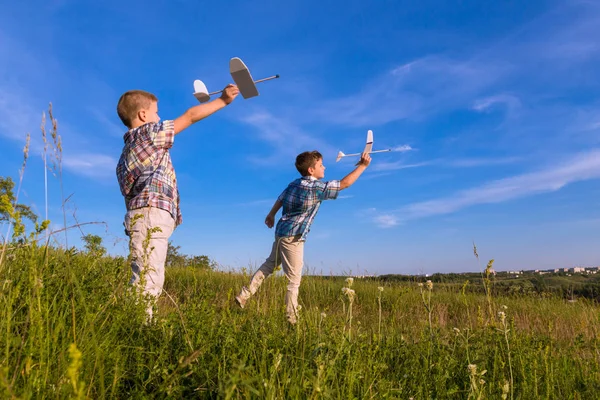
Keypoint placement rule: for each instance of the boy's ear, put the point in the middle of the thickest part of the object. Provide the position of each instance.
(141, 114)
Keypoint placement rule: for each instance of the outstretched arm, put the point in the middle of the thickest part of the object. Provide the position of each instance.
(202, 111)
(270, 220)
(349, 179)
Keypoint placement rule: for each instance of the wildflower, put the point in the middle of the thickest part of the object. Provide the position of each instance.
(323, 315)
(349, 281)
(457, 331)
(349, 292)
(429, 285)
(502, 316)
(420, 284)
(503, 307)
(380, 288)
(472, 369)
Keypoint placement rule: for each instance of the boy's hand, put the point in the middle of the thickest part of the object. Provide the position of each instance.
(270, 221)
(365, 159)
(230, 93)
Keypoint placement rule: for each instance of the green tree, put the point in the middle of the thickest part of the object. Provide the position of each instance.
(7, 203)
(174, 258)
(93, 245)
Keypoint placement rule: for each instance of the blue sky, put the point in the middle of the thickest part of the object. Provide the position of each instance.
(498, 102)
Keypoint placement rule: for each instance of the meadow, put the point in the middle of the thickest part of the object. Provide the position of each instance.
(71, 328)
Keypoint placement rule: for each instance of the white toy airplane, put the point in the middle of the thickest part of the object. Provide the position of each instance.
(368, 148)
(242, 78)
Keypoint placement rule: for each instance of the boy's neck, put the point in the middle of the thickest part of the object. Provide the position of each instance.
(136, 124)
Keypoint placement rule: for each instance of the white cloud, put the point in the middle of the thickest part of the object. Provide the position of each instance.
(91, 165)
(581, 167)
(403, 149)
(386, 220)
(396, 165)
(485, 104)
(284, 136)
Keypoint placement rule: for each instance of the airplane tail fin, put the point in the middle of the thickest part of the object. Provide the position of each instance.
(339, 156)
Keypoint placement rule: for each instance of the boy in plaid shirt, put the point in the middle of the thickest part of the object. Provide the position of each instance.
(147, 181)
(300, 201)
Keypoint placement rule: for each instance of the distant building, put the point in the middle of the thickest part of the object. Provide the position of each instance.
(578, 270)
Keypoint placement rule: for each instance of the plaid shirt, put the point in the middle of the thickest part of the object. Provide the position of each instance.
(145, 171)
(301, 201)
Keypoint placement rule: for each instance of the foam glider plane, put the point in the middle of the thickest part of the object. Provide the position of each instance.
(368, 148)
(242, 78)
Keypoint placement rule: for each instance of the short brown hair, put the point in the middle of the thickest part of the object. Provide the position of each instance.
(306, 160)
(131, 102)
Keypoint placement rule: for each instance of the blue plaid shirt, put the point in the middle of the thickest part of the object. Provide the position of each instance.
(301, 201)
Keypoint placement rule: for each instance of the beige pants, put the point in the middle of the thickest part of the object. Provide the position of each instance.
(148, 259)
(289, 253)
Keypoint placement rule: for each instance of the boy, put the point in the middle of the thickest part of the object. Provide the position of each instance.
(148, 182)
(300, 201)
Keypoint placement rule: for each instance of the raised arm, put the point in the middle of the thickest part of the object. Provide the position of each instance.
(349, 179)
(270, 220)
(196, 113)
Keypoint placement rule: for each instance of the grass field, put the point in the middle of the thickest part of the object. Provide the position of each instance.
(70, 328)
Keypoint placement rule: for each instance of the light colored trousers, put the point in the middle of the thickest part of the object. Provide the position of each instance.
(148, 259)
(289, 253)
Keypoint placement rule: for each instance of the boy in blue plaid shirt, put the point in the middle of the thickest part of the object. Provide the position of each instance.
(300, 202)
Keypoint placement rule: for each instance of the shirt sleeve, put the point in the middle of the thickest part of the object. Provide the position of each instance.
(282, 195)
(163, 134)
(330, 190)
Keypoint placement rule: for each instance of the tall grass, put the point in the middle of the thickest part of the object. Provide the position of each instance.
(70, 327)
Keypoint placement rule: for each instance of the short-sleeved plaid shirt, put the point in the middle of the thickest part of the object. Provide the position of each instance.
(301, 201)
(145, 171)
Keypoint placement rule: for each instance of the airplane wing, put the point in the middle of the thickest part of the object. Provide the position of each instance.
(242, 78)
(369, 145)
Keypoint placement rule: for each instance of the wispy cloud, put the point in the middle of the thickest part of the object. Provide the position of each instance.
(91, 165)
(412, 90)
(509, 101)
(396, 165)
(582, 167)
(403, 148)
(386, 220)
(285, 137)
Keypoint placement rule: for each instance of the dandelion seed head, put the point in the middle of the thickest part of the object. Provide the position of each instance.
(420, 284)
(429, 285)
(349, 281)
(380, 288)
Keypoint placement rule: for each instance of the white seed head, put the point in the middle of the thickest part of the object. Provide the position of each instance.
(380, 288)
(420, 284)
(502, 316)
(429, 285)
(349, 281)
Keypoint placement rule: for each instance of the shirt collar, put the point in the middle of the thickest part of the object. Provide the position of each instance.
(309, 178)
